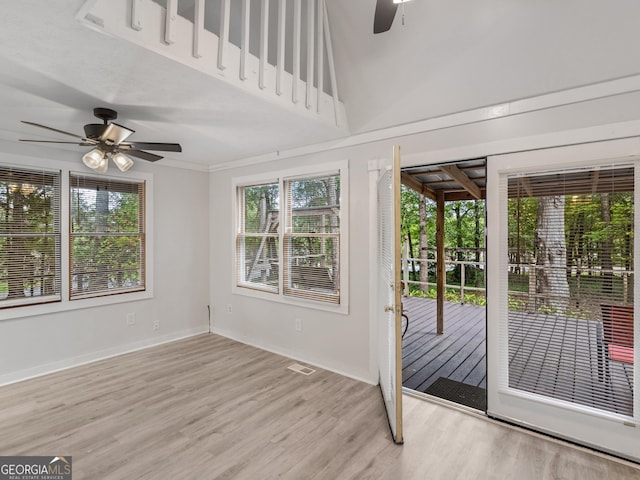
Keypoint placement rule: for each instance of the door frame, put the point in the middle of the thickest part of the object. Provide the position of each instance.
(583, 425)
(376, 169)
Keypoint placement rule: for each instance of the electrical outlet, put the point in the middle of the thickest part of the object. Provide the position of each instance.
(131, 319)
(229, 309)
(298, 324)
(156, 324)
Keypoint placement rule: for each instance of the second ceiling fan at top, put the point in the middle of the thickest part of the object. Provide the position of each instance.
(385, 13)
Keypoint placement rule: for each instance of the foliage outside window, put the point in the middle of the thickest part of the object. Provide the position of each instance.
(258, 239)
(29, 237)
(289, 235)
(464, 247)
(570, 264)
(312, 238)
(107, 242)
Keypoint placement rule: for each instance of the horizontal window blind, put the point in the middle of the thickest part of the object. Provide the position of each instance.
(257, 240)
(29, 237)
(107, 254)
(312, 238)
(570, 281)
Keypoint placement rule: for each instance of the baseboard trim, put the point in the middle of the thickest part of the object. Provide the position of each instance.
(292, 356)
(65, 364)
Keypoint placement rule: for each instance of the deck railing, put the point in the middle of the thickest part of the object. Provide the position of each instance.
(523, 281)
(406, 269)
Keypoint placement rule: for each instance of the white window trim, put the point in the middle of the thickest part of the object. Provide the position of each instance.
(342, 167)
(65, 304)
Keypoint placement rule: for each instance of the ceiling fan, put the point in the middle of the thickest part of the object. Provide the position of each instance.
(108, 140)
(385, 13)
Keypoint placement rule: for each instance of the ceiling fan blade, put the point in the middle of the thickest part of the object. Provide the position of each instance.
(114, 134)
(161, 147)
(53, 129)
(150, 157)
(81, 144)
(385, 13)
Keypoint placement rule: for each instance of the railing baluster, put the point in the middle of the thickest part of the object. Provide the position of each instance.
(310, 50)
(332, 67)
(224, 33)
(136, 20)
(170, 18)
(320, 57)
(198, 28)
(297, 20)
(244, 38)
(264, 42)
(282, 19)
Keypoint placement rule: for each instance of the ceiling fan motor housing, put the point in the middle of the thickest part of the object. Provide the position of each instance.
(94, 130)
(105, 114)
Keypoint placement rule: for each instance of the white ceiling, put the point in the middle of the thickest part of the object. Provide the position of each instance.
(56, 70)
(452, 55)
(448, 57)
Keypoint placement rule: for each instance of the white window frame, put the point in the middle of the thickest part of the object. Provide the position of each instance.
(340, 167)
(141, 233)
(65, 304)
(55, 297)
(596, 428)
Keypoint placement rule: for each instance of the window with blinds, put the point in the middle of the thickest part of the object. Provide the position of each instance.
(29, 237)
(107, 236)
(570, 286)
(258, 241)
(312, 238)
(288, 237)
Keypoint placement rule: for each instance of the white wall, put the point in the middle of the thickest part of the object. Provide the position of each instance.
(335, 341)
(39, 344)
(345, 343)
(452, 56)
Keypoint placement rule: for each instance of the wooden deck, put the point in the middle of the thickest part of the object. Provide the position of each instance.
(460, 354)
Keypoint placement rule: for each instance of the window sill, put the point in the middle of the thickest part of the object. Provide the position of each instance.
(11, 313)
(342, 309)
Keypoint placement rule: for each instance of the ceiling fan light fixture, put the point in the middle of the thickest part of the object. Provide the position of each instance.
(123, 162)
(103, 166)
(401, 1)
(94, 158)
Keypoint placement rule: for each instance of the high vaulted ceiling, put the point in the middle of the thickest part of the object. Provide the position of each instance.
(448, 57)
(55, 70)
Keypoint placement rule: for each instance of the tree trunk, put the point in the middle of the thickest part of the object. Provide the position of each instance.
(551, 250)
(17, 251)
(477, 237)
(424, 268)
(411, 256)
(606, 263)
(333, 224)
(101, 280)
(459, 242)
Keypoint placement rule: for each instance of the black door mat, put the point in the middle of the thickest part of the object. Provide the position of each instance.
(458, 392)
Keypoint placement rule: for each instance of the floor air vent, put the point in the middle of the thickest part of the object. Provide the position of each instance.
(296, 367)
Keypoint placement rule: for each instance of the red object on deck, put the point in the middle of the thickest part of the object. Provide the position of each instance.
(617, 323)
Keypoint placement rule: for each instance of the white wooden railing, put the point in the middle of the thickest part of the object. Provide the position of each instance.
(299, 33)
(424, 263)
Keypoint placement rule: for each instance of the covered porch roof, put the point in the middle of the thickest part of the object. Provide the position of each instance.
(465, 180)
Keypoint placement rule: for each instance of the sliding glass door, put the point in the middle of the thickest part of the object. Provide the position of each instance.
(563, 334)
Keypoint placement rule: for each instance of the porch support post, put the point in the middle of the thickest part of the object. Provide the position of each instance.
(440, 269)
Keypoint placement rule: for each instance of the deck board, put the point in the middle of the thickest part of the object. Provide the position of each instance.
(459, 352)
(544, 351)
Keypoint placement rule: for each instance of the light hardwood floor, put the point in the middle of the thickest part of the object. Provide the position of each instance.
(208, 408)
